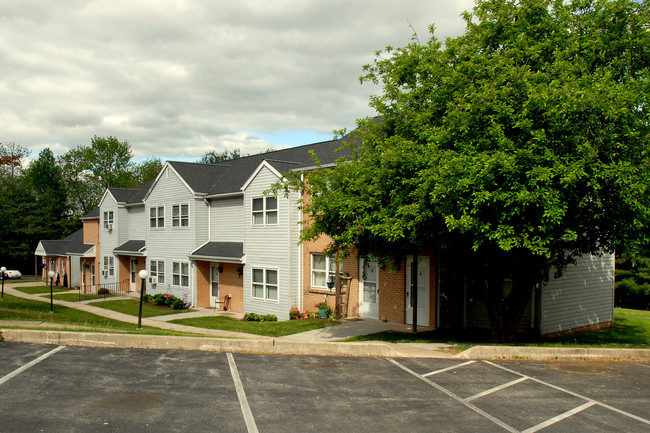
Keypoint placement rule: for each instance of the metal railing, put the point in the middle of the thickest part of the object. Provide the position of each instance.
(105, 290)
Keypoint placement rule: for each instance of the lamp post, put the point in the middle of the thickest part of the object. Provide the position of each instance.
(143, 274)
(51, 274)
(2, 270)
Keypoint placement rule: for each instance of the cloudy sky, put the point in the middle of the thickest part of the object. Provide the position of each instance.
(176, 78)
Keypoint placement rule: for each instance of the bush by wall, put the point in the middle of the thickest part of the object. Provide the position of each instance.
(632, 287)
(254, 317)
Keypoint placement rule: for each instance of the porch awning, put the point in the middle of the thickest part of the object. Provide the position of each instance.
(227, 252)
(131, 248)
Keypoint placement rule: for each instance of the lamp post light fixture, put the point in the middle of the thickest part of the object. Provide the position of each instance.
(143, 274)
(2, 270)
(51, 274)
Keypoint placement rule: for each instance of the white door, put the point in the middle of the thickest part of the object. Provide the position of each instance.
(134, 282)
(214, 284)
(423, 291)
(368, 289)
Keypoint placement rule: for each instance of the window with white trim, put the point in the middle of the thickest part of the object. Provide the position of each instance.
(157, 270)
(180, 215)
(321, 269)
(265, 211)
(108, 219)
(265, 284)
(157, 217)
(109, 266)
(180, 274)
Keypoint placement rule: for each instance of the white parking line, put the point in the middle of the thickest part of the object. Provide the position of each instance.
(448, 368)
(495, 389)
(241, 395)
(559, 418)
(455, 397)
(29, 364)
(550, 385)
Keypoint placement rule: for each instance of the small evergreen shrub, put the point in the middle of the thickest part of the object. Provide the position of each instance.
(254, 317)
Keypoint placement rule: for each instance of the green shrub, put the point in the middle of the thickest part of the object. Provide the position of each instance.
(103, 291)
(632, 288)
(177, 304)
(159, 299)
(254, 317)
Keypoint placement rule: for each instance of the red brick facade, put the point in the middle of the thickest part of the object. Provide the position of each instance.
(230, 283)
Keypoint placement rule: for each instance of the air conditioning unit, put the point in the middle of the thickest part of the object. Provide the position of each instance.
(110, 226)
(105, 272)
(153, 280)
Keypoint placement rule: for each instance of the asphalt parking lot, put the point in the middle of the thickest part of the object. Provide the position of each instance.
(80, 389)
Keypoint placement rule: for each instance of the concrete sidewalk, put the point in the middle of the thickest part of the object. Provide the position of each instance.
(316, 342)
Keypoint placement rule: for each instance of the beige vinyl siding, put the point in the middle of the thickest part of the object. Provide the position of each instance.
(227, 219)
(583, 296)
(267, 247)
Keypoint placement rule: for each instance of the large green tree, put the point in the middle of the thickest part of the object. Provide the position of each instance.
(517, 146)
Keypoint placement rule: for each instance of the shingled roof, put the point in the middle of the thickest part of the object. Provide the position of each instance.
(229, 176)
(70, 245)
(133, 195)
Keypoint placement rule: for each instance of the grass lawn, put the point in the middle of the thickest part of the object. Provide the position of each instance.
(270, 329)
(631, 329)
(35, 290)
(14, 308)
(131, 307)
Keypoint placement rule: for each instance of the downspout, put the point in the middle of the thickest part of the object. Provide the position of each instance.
(414, 292)
(300, 253)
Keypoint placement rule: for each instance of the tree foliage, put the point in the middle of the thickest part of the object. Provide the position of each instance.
(213, 157)
(519, 145)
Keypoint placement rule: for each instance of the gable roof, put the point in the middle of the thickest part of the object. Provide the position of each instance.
(131, 196)
(230, 176)
(70, 245)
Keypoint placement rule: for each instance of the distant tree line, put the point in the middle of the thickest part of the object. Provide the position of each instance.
(44, 199)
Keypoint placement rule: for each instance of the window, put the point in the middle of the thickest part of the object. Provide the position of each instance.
(180, 274)
(157, 217)
(321, 269)
(157, 268)
(181, 215)
(109, 269)
(265, 284)
(265, 211)
(108, 220)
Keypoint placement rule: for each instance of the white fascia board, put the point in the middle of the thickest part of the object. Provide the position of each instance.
(241, 261)
(40, 250)
(259, 168)
(224, 195)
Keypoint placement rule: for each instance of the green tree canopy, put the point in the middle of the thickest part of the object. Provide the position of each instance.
(522, 144)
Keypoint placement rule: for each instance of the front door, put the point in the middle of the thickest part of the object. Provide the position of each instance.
(134, 281)
(423, 291)
(214, 284)
(368, 289)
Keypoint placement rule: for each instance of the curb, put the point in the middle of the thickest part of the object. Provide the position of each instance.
(549, 353)
(265, 346)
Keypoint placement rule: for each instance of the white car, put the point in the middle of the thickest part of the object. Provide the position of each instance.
(13, 275)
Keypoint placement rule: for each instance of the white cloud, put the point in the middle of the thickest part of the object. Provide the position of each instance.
(176, 78)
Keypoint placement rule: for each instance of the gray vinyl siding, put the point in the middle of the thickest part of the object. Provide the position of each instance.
(267, 247)
(108, 239)
(227, 220)
(295, 216)
(199, 220)
(583, 296)
(137, 227)
(123, 223)
(172, 244)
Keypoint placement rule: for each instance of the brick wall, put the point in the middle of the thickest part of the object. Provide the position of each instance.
(230, 283)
